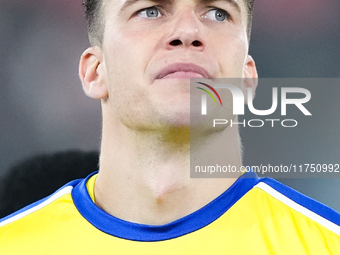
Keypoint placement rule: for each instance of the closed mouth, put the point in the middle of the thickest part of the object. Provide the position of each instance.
(182, 70)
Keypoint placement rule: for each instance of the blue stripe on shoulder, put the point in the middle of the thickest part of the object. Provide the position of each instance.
(71, 183)
(307, 202)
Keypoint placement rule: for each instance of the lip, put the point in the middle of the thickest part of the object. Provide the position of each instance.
(180, 68)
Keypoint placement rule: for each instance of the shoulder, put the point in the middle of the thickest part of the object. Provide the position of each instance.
(40, 216)
(301, 203)
(274, 217)
(296, 211)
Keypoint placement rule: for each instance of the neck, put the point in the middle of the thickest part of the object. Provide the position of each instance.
(144, 176)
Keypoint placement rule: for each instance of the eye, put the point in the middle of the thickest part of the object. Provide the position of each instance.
(217, 15)
(151, 12)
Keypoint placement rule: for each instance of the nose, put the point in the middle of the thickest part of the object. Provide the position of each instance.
(185, 31)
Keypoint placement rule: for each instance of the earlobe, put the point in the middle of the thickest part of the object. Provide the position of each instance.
(250, 77)
(91, 73)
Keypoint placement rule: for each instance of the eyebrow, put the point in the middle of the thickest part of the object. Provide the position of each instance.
(232, 2)
(128, 3)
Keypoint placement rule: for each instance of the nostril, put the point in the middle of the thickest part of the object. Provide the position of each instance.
(176, 42)
(196, 43)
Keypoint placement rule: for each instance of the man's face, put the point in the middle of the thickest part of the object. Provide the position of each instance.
(152, 49)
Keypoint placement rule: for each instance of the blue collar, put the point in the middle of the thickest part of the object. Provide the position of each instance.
(140, 232)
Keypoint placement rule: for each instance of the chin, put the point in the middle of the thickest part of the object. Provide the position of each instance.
(178, 120)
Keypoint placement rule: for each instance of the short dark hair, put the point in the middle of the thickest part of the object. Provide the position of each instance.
(39, 176)
(95, 24)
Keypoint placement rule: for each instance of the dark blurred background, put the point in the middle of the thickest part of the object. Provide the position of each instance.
(43, 108)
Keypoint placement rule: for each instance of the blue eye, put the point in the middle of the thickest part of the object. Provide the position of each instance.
(151, 12)
(217, 15)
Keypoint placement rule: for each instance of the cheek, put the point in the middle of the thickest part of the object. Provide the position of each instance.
(121, 62)
(119, 55)
(125, 62)
(128, 52)
(231, 49)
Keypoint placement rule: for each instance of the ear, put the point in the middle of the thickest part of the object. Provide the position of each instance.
(92, 73)
(250, 77)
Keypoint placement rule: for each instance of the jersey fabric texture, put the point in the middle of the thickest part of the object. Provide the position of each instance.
(254, 216)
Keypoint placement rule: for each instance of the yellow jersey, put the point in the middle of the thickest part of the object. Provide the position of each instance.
(254, 216)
